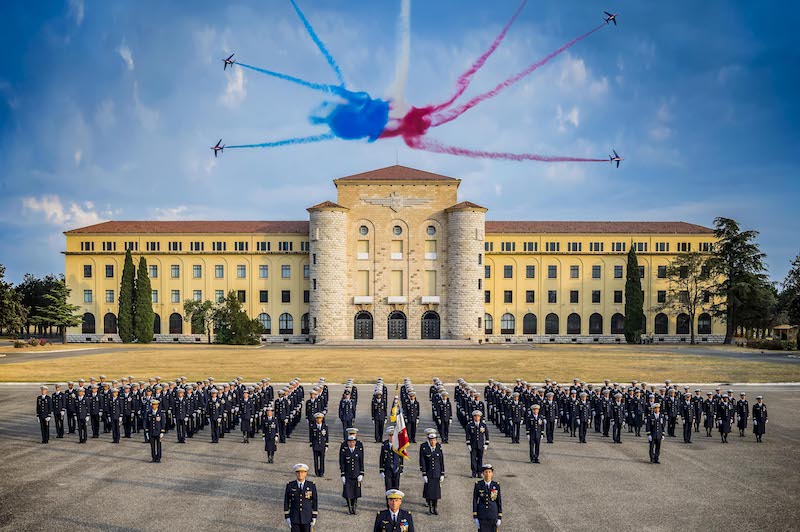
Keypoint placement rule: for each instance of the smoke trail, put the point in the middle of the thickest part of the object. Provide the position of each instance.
(443, 118)
(328, 89)
(437, 147)
(465, 78)
(319, 43)
(397, 91)
(287, 142)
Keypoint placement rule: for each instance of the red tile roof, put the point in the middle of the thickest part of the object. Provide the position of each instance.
(327, 205)
(396, 173)
(174, 227)
(465, 205)
(677, 228)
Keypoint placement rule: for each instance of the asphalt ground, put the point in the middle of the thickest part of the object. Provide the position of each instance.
(229, 486)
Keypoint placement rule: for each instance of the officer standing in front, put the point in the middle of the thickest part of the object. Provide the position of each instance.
(271, 428)
(390, 464)
(394, 519)
(351, 466)
(535, 426)
(431, 465)
(82, 415)
(687, 413)
(300, 501)
(487, 505)
(44, 410)
(477, 441)
(156, 423)
(655, 432)
(318, 438)
(759, 419)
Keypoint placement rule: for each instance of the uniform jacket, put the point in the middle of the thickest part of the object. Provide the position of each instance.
(300, 505)
(487, 504)
(351, 463)
(44, 406)
(383, 522)
(318, 437)
(477, 434)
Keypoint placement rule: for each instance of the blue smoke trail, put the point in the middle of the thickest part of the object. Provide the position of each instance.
(287, 142)
(328, 89)
(319, 44)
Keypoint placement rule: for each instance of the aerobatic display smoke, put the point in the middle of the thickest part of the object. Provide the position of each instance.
(355, 115)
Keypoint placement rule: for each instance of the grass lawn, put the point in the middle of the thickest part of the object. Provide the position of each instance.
(559, 362)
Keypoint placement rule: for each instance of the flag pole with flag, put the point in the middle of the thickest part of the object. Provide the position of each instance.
(400, 436)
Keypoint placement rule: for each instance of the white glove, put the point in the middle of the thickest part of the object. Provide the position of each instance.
(383, 475)
(441, 479)
(529, 437)
(477, 523)
(485, 447)
(649, 438)
(344, 480)
(469, 447)
(186, 420)
(767, 421)
(579, 421)
(498, 522)
(313, 523)
(662, 436)
(87, 419)
(160, 436)
(755, 422)
(47, 418)
(450, 422)
(425, 478)
(360, 478)
(276, 439)
(289, 522)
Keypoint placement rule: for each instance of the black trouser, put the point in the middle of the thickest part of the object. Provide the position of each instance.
(379, 423)
(533, 445)
(444, 432)
(582, 428)
(549, 430)
(391, 479)
(180, 429)
(412, 431)
(59, 425)
(476, 459)
(44, 425)
(597, 422)
(655, 448)
(214, 431)
(155, 447)
(617, 432)
(319, 463)
(296, 527)
(71, 422)
(687, 432)
(671, 422)
(95, 425)
(82, 430)
(115, 430)
(282, 431)
(514, 431)
(127, 424)
(106, 424)
(606, 425)
(487, 526)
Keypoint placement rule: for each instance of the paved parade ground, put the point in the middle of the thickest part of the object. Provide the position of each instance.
(229, 486)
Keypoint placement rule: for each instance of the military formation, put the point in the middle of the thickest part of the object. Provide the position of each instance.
(154, 408)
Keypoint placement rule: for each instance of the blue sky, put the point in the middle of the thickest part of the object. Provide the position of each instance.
(107, 110)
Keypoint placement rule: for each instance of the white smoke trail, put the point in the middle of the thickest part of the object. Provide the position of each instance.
(397, 90)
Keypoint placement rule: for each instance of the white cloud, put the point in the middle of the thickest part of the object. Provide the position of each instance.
(570, 117)
(660, 132)
(125, 53)
(147, 117)
(181, 212)
(57, 213)
(77, 10)
(78, 156)
(235, 90)
(599, 87)
(573, 72)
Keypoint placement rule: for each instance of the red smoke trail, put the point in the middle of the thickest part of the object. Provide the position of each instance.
(437, 147)
(443, 118)
(466, 77)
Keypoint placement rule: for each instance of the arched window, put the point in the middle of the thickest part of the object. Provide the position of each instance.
(156, 324)
(573, 324)
(109, 324)
(488, 324)
(266, 322)
(617, 324)
(662, 323)
(551, 324)
(286, 324)
(87, 323)
(704, 324)
(529, 324)
(175, 323)
(682, 325)
(507, 324)
(304, 323)
(596, 323)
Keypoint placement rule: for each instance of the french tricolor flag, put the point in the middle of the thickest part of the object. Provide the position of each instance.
(400, 436)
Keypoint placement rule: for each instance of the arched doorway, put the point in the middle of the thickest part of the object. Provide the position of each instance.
(397, 325)
(662, 323)
(175, 323)
(156, 324)
(596, 323)
(430, 326)
(87, 324)
(551, 323)
(704, 324)
(507, 323)
(573, 324)
(109, 324)
(617, 324)
(285, 324)
(266, 323)
(304, 328)
(488, 323)
(682, 325)
(363, 326)
(529, 324)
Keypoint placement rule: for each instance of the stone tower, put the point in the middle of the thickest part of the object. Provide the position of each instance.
(329, 290)
(465, 236)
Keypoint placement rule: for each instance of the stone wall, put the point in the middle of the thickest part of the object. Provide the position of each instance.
(595, 339)
(329, 307)
(465, 235)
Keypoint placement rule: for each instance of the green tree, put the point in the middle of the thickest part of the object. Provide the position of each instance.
(790, 293)
(57, 312)
(33, 291)
(634, 301)
(738, 264)
(200, 315)
(232, 325)
(690, 286)
(143, 314)
(127, 296)
(12, 312)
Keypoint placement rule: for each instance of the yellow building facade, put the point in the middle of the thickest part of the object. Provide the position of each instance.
(397, 256)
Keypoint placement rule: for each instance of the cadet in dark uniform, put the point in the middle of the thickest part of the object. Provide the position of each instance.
(347, 413)
(44, 410)
(394, 519)
(742, 413)
(114, 406)
(391, 465)
(724, 418)
(487, 505)
(82, 415)
(411, 415)
(271, 428)
(431, 465)
(759, 419)
(687, 413)
(128, 410)
(583, 415)
(550, 416)
(59, 410)
(156, 424)
(351, 466)
(516, 417)
(617, 417)
(709, 409)
(378, 414)
(95, 411)
(247, 412)
(182, 411)
(215, 411)
(477, 441)
(300, 501)
(534, 429)
(71, 394)
(655, 432)
(318, 439)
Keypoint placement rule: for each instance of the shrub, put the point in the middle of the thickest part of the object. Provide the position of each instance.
(19, 343)
(33, 341)
(42, 341)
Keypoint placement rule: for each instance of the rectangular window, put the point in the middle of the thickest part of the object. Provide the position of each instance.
(552, 297)
(487, 272)
(617, 272)
(574, 246)
(573, 297)
(488, 246)
(641, 272)
(197, 295)
(175, 296)
(241, 271)
(508, 246)
(314, 283)
(306, 296)
(197, 271)
(219, 246)
(618, 296)
(684, 272)
(618, 247)
(285, 246)
(241, 295)
(662, 296)
(552, 272)
(596, 246)
(706, 247)
(132, 246)
(508, 296)
(219, 295)
(362, 250)
(530, 271)
(263, 296)
(87, 271)
(306, 271)
(396, 248)
(706, 296)
(430, 288)
(154, 296)
(508, 272)
(362, 283)
(480, 258)
(530, 296)
(314, 258)
(480, 284)
(87, 246)
(552, 246)
(662, 246)
(219, 271)
(640, 247)
(241, 246)
(574, 272)
(304, 246)
(109, 271)
(684, 247)
(109, 296)
(109, 246)
(662, 272)
(197, 246)
(597, 272)
(153, 273)
(487, 296)
(153, 246)
(286, 296)
(286, 271)
(595, 296)
(175, 271)
(87, 296)
(262, 246)
(396, 283)
(263, 271)
(530, 246)
(175, 246)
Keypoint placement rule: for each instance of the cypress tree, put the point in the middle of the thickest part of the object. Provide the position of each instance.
(126, 300)
(634, 300)
(143, 314)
